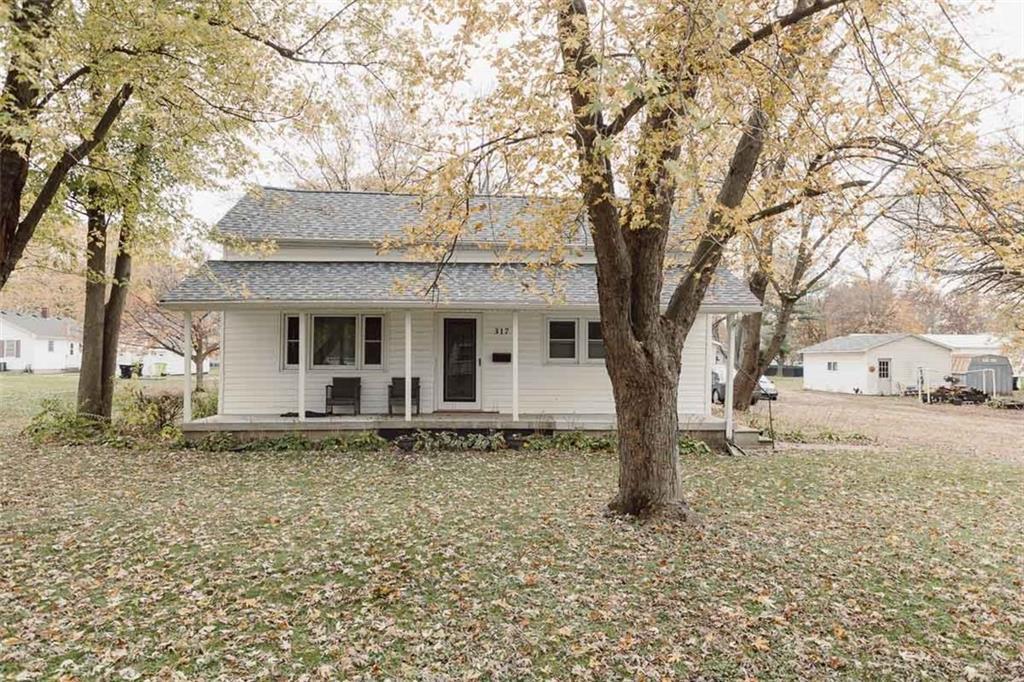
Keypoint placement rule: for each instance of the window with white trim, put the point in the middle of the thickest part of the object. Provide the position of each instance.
(334, 340)
(291, 341)
(71, 348)
(595, 341)
(10, 348)
(49, 346)
(883, 369)
(832, 366)
(373, 341)
(561, 341)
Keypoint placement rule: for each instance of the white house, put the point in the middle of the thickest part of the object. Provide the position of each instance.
(155, 361)
(886, 364)
(488, 349)
(39, 343)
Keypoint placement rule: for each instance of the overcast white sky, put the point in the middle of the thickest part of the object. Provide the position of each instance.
(1001, 30)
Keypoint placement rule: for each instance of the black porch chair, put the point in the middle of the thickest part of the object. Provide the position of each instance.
(346, 392)
(396, 395)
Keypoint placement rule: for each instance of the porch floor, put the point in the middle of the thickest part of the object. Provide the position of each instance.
(708, 428)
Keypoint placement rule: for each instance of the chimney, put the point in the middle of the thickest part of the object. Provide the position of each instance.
(44, 312)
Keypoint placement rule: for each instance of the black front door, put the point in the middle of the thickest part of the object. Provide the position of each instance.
(459, 360)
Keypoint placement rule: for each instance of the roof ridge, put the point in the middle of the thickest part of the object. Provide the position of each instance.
(304, 190)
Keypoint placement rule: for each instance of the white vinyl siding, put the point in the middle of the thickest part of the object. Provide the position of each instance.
(255, 383)
(858, 372)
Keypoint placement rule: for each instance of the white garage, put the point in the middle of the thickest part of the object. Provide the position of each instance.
(875, 364)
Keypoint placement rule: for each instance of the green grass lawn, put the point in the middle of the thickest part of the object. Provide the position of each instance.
(859, 564)
(22, 395)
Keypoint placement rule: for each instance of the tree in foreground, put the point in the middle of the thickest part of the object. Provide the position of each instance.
(653, 110)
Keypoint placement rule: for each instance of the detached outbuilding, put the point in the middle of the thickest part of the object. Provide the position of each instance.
(990, 373)
(887, 364)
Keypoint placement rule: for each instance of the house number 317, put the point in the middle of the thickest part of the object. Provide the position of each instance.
(501, 331)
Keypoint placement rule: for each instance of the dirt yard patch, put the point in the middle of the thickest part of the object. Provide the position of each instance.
(901, 423)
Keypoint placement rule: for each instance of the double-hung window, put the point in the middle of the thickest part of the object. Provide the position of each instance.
(291, 341)
(11, 348)
(595, 341)
(562, 340)
(49, 346)
(336, 341)
(373, 341)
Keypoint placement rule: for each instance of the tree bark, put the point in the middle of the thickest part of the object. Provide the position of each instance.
(748, 369)
(645, 387)
(90, 378)
(113, 313)
(196, 355)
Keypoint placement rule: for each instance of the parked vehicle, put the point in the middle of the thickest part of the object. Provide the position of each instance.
(768, 389)
(718, 390)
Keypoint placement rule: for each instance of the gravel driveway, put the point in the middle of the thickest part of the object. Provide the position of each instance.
(902, 422)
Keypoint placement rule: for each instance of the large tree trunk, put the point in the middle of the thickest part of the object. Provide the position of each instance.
(748, 369)
(645, 384)
(113, 313)
(90, 378)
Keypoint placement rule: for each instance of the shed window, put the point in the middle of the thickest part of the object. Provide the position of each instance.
(595, 341)
(49, 346)
(71, 348)
(334, 341)
(833, 366)
(373, 340)
(561, 339)
(291, 341)
(883, 369)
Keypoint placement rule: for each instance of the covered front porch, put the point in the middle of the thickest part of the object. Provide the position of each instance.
(502, 363)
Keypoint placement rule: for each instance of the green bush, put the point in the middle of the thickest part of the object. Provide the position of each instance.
(58, 422)
(362, 441)
(204, 404)
(449, 441)
(692, 446)
(571, 441)
(150, 412)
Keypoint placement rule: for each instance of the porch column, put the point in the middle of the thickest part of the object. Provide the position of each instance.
(730, 370)
(515, 365)
(186, 347)
(408, 366)
(302, 367)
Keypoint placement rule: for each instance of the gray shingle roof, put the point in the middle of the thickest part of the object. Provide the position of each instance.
(272, 213)
(291, 214)
(45, 327)
(855, 343)
(405, 282)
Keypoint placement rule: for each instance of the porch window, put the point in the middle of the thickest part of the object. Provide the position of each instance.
(373, 341)
(334, 341)
(561, 340)
(595, 341)
(291, 341)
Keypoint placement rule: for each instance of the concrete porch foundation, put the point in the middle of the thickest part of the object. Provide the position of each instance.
(248, 427)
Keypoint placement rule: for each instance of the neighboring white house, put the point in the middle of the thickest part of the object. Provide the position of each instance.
(156, 362)
(886, 364)
(39, 343)
(327, 303)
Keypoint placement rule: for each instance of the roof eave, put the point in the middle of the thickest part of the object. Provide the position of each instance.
(717, 308)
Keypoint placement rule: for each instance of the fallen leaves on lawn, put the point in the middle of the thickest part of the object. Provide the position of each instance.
(131, 565)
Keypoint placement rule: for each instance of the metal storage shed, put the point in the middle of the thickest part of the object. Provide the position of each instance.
(990, 373)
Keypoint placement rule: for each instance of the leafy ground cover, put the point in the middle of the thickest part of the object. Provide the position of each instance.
(133, 563)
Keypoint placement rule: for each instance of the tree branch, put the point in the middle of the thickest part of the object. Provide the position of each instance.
(793, 17)
(808, 193)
